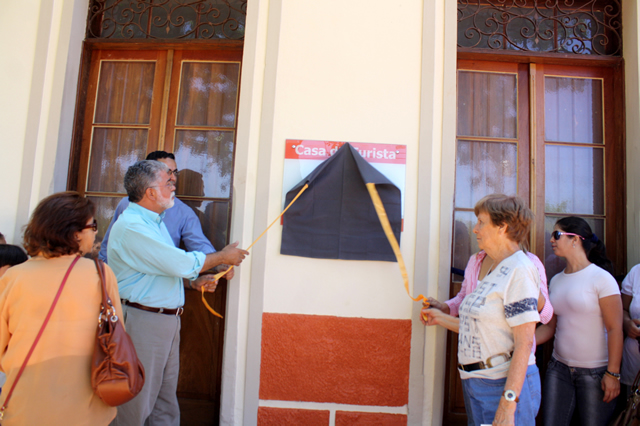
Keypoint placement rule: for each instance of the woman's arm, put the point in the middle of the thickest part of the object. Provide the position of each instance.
(437, 317)
(546, 331)
(611, 307)
(630, 325)
(523, 341)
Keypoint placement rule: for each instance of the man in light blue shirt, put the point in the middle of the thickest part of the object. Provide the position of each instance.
(149, 269)
(182, 223)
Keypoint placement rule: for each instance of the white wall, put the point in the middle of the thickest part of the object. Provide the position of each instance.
(631, 46)
(381, 76)
(38, 78)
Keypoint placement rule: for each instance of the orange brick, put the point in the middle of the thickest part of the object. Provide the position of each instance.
(269, 416)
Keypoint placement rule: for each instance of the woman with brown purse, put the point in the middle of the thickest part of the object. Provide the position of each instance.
(54, 387)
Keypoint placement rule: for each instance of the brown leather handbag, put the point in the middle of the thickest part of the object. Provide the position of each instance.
(117, 375)
(631, 414)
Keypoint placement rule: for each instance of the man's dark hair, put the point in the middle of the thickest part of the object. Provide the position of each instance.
(159, 155)
(11, 255)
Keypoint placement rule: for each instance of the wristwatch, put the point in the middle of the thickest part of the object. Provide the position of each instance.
(510, 396)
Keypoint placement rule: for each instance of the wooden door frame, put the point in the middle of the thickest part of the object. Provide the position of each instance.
(90, 47)
(85, 101)
(617, 252)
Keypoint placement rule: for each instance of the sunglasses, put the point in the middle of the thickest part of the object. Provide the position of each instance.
(557, 234)
(175, 172)
(93, 226)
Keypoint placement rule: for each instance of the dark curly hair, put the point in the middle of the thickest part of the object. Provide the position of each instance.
(53, 224)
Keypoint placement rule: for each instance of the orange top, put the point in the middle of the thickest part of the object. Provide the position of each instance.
(55, 387)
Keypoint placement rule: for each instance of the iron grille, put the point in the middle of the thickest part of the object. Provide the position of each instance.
(591, 27)
(167, 19)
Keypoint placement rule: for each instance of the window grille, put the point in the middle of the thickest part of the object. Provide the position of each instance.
(167, 19)
(589, 27)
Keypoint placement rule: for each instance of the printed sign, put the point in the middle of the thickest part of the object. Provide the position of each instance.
(303, 156)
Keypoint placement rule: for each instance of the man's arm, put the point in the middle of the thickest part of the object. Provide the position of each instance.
(230, 255)
(122, 205)
(191, 231)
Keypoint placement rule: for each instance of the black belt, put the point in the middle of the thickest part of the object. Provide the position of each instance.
(177, 311)
(481, 365)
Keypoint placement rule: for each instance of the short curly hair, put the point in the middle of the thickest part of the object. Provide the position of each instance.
(53, 224)
(510, 211)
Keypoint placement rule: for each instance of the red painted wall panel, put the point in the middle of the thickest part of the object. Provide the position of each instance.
(335, 359)
(269, 416)
(348, 418)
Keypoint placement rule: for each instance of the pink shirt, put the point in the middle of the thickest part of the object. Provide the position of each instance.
(471, 282)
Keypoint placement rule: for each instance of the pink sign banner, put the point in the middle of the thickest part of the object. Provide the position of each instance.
(303, 156)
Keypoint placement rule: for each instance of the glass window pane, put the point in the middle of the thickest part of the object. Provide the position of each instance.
(487, 104)
(205, 160)
(484, 168)
(214, 217)
(573, 110)
(112, 152)
(105, 209)
(208, 94)
(574, 180)
(552, 263)
(464, 240)
(124, 92)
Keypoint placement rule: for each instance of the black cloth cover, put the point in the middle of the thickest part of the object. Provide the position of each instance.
(335, 217)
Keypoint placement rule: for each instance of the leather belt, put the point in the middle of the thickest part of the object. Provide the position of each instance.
(481, 365)
(177, 311)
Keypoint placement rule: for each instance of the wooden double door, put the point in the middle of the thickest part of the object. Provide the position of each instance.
(180, 101)
(551, 134)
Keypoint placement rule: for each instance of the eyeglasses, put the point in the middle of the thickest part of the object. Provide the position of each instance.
(93, 226)
(557, 234)
(169, 184)
(175, 172)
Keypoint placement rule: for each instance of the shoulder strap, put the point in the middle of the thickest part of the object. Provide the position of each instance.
(106, 310)
(35, 342)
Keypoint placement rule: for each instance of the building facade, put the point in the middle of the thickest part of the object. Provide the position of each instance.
(321, 341)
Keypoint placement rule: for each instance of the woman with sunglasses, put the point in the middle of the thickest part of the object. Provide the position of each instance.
(55, 386)
(584, 371)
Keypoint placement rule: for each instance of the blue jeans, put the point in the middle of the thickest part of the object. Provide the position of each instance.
(569, 388)
(484, 396)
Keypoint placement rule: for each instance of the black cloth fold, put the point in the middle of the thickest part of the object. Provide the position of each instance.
(335, 217)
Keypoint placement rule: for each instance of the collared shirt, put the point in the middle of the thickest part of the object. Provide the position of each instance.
(181, 222)
(147, 264)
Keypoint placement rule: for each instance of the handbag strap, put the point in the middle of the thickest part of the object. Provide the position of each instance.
(35, 342)
(106, 300)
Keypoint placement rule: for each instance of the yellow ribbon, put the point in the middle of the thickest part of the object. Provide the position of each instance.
(219, 275)
(384, 221)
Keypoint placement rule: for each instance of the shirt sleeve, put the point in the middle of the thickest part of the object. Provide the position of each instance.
(629, 280)
(468, 285)
(152, 257)
(122, 205)
(606, 285)
(191, 234)
(521, 297)
(547, 310)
